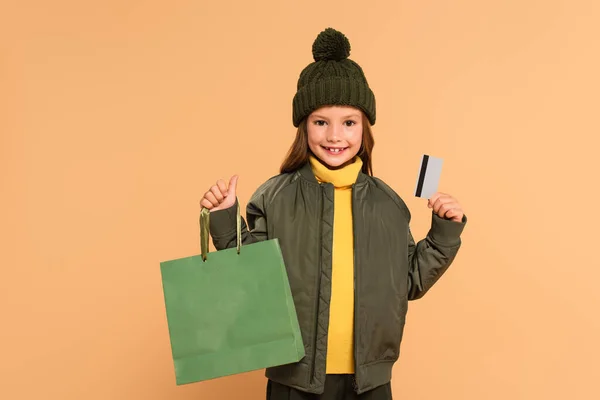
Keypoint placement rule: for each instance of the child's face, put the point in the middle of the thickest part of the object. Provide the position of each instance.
(335, 134)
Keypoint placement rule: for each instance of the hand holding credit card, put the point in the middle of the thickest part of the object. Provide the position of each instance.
(443, 205)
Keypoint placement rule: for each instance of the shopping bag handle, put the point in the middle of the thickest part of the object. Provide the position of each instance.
(205, 230)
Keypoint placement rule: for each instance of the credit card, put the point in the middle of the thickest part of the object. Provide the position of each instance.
(429, 176)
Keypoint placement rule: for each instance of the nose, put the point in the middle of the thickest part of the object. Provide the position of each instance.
(333, 133)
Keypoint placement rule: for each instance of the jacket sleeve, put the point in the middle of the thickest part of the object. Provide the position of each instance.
(431, 257)
(223, 224)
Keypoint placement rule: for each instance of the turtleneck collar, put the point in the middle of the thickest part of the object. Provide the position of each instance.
(340, 178)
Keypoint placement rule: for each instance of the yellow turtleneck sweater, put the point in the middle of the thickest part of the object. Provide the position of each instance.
(340, 349)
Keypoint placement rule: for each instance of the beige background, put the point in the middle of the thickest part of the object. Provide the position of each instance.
(116, 116)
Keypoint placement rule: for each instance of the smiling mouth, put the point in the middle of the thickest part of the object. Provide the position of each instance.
(334, 150)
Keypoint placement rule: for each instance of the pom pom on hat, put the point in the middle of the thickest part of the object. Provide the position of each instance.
(331, 45)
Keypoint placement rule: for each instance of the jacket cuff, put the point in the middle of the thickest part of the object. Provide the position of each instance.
(224, 222)
(445, 231)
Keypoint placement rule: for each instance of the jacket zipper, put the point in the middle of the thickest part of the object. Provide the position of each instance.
(318, 292)
(355, 291)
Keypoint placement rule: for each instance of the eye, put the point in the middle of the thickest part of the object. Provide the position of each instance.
(319, 122)
(350, 123)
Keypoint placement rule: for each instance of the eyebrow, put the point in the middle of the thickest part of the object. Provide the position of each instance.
(354, 115)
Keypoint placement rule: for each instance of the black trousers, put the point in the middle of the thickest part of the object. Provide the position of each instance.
(337, 387)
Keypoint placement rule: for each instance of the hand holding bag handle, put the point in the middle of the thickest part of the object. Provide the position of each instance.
(205, 230)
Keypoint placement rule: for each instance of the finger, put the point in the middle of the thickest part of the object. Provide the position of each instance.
(454, 214)
(441, 200)
(211, 197)
(222, 186)
(453, 210)
(444, 208)
(206, 204)
(434, 198)
(217, 192)
(232, 186)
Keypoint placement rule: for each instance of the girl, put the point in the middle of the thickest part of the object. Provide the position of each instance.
(351, 259)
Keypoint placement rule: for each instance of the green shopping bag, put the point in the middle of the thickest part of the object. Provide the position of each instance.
(229, 311)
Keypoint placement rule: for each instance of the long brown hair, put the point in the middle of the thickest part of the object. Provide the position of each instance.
(299, 152)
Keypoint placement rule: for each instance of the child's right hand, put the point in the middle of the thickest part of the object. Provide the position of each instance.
(219, 196)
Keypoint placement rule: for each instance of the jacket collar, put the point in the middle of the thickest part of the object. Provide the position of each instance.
(307, 174)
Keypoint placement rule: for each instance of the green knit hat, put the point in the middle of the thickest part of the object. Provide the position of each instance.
(333, 79)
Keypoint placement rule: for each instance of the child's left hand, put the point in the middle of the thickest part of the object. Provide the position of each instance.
(446, 206)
